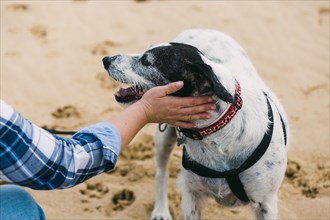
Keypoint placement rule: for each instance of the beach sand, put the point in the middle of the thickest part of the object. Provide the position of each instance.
(51, 71)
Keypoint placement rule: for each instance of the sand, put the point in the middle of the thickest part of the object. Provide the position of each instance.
(51, 71)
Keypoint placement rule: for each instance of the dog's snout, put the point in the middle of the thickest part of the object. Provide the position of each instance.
(107, 61)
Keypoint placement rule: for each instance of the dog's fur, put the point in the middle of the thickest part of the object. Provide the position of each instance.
(209, 62)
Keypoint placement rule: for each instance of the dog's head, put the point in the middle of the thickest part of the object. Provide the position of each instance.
(160, 65)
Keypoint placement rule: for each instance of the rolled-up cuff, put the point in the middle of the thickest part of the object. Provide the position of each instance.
(110, 137)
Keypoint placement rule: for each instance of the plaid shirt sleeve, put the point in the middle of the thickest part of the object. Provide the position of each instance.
(32, 157)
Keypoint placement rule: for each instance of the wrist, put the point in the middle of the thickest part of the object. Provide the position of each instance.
(141, 112)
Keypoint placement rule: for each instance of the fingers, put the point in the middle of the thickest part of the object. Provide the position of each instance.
(172, 87)
(185, 121)
(185, 102)
(192, 113)
(197, 109)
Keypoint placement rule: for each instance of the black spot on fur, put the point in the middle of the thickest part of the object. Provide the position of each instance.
(191, 37)
(241, 132)
(262, 209)
(242, 129)
(269, 164)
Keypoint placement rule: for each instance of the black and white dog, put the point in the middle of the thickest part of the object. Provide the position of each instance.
(238, 156)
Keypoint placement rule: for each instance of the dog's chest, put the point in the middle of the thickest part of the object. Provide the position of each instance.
(217, 189)
(216, 158)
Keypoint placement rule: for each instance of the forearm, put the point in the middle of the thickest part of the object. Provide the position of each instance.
(129, 122)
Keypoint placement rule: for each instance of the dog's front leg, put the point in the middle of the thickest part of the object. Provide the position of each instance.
(191, 204)
(266, 210)
(164, 145)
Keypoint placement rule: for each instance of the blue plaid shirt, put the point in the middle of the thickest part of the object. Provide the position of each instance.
(32, 157)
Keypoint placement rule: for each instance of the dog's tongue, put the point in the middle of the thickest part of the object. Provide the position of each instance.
(129, 94)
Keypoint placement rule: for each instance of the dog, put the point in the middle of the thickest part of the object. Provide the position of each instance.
(239, 155)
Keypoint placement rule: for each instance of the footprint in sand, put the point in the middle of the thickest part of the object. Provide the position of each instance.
(18, 7)
(309, 183)
(324, 14)
(39, 31)
(67, 111)
(140, 150)
(95, 196)
(122, 199)
(135, 172)
(296, 176)
(67, 118)
(93, 190)
(92, 195)
(105, 81)
(311, 89)
(103, 48)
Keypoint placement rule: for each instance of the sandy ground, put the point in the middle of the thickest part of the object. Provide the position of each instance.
(51, 71)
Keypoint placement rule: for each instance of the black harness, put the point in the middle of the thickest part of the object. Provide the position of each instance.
(232, 176)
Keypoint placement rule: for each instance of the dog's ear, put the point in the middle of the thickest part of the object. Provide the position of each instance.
(219, 89)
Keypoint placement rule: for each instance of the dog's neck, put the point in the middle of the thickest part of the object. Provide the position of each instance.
(230, 84)
(221, 120)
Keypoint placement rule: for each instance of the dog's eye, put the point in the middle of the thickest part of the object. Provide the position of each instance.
(145, 61)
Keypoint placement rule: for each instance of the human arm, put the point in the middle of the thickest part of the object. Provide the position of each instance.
(32, 157)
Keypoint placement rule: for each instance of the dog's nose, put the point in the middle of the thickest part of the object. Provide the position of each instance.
(107, 61)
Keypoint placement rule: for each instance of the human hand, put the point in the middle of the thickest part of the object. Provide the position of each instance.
(177, 111)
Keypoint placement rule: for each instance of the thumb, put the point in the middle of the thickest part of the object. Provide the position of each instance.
(172, 87)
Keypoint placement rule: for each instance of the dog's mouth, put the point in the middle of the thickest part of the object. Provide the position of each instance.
(129, 94)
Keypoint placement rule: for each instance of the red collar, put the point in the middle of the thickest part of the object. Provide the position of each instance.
(222, 121)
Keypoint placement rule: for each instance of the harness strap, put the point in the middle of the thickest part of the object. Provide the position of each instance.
(232, 176)
(261, 149)
(283, 124)
(284, 130)
(236, 186)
